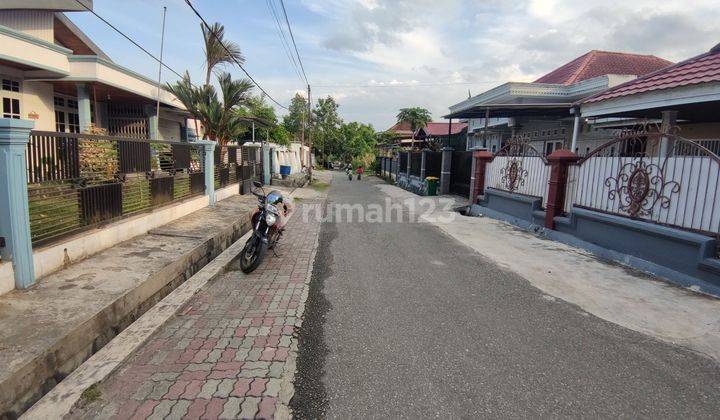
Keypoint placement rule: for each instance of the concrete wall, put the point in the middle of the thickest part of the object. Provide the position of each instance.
(54, 257)
(36, 23)
(37, 98)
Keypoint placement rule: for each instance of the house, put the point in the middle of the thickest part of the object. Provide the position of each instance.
(541, 111)
(440, 134)
(687, 92)
(54, 74)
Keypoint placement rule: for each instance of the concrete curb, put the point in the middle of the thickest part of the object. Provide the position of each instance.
(58, 402)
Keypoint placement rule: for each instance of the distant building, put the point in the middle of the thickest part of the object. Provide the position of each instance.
(541, 111)
(53, 73)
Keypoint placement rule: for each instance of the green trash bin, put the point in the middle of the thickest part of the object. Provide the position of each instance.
(432, 183)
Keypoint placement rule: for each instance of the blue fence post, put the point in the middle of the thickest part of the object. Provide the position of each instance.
(209, 168)
(14, 214)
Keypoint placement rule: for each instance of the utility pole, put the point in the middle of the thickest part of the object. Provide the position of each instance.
(309, 110)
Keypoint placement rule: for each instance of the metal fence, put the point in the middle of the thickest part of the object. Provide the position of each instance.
(644, 174)
(519, 168)
(433, 164)
(460, 173)
(415, 163)
(77, 181)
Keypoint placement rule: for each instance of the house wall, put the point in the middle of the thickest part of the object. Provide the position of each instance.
(37, 98)
(37, 23)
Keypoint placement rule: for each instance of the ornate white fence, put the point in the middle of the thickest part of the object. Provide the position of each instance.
(519, 168)
(661, 178)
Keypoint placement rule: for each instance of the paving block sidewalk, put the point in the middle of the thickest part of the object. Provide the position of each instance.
(230, 351)
(49, 329)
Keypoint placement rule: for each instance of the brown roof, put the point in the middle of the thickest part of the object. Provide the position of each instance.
(704, 68)
(441, 128)
(599, 63)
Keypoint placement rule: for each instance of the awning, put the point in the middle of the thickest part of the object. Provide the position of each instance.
(513, 110)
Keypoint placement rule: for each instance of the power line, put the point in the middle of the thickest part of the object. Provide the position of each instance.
(129, 39)
(229, 54)
(282, 3)
(283, 39)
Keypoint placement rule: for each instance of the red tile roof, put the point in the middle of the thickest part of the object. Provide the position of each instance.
(704, 68)
(441, 128)
(599, 63)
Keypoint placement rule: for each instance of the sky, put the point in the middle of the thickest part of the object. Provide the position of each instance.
(377, 56)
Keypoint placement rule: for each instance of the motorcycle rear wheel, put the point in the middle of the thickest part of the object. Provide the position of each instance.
(252, 254)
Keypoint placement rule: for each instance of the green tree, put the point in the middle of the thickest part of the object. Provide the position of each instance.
(259, 109)
(326, 128)
(417, 117)
(358, 143)
(215, 53)
(218, 113)
(296, 119)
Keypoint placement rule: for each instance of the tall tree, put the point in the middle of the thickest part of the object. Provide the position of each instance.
(326, 126)
(259, 109)
(295, 121)
(215, 53)
(358, 143)
(417, 117)
(218, 115)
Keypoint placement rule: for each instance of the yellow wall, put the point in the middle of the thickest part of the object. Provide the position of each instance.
(37, 98)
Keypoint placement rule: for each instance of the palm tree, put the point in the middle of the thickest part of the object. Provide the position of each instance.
(417, 117)
(218, 116)
(187, 95)
(215, 53)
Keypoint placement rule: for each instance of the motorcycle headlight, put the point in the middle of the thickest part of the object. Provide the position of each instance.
(270, 219)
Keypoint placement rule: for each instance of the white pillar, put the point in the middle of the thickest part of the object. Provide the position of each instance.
(576, 130)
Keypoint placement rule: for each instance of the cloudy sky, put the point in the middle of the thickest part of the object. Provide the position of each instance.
(376, 56)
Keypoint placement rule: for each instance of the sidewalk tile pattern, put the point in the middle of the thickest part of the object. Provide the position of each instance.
(230, 351)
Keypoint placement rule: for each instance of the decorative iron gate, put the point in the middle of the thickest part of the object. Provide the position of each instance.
(460, 172)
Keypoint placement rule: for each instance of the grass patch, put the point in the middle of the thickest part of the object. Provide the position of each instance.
(319, 186)
(90, 395)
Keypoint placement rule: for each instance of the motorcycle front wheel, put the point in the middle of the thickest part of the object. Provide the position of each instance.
(252, 254)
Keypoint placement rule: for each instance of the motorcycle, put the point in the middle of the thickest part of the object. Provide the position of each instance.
(266, 233)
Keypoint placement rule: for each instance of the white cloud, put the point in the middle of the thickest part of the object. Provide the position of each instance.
(392, 43)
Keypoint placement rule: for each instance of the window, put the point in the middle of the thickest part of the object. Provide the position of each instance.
(549, 147)
(10, 85)
(59, 121)
(67, 119)
(11, 108)
(10, 94)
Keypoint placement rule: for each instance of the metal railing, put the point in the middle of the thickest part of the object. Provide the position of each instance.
(77, 181)
(521, 169)
(653, 176)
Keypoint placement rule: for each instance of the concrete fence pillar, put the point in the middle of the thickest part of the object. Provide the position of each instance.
(268, 155)
(559, 162)
(481, 158)
(14, 213)
(84, 112)
(209, 168)
(409, 163)
(445, 170)
(422, 163)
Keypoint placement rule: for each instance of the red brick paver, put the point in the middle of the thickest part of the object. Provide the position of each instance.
(224, 354)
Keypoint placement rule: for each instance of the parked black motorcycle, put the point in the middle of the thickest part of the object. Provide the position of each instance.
(266, 232)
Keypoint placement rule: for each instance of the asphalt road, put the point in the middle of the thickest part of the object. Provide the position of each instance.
(405, 322)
